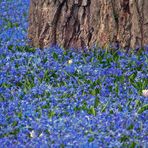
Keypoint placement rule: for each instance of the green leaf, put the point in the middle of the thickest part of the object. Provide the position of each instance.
(133, 145)
(46, 75)
(121, 79)
(65, 52)
(104, 107)
(124, 138)
(77, 109)
(129, 102)
(132, 77)
(19, 114)
(51, 114)
(92, 59)
(116, 88)
(98, 82)
(143, 108)
(10, 47)
(96, 102)
(92, 111)
(111, 111)
(137, 103)
(91, 139)
(84, 59)
(46, 106)
(2, 98)
(115, 57)
(55, 56)
(100, 58)
(95, 91)
(15, 123)
(119, 107)
(15, 132)
(84, 106)
(62, 145)
(131, 126)
(25, 49)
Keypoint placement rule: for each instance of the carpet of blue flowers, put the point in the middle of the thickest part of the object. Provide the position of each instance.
(61, 98)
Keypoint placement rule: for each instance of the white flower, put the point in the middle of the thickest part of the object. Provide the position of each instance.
(49, 87)
(32, 134)
(145, 93)
(41, 135)
(69, 61)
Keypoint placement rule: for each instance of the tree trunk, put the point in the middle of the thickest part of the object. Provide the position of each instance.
(83, 23)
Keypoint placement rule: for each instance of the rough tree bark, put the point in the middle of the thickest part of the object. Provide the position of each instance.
(82, 23)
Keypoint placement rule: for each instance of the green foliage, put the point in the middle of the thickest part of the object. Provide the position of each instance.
(23, 48)
(124, 138)
(104, 107)
(92, 110)
(95, 91)
(143, 108)
(51, 114)
(55, 56)
(91, 139)
(96, 102)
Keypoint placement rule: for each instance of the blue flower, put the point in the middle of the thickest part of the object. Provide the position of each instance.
(70, 69)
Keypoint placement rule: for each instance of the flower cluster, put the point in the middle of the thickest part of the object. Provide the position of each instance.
(56, 98)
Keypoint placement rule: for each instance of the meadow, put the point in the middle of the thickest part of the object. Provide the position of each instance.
(62, 98)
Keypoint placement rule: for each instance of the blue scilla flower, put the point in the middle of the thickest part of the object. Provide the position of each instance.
(41, 74)
(70, 68)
